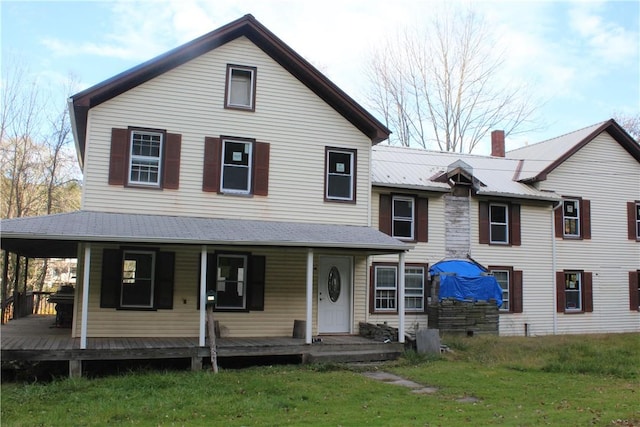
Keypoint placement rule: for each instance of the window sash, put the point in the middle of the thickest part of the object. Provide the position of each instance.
(240, 89)
(403, 220)
(573, 291)
(235, 174)
(414, 289)
(571, 217)
(340, 175)
(138, 277)
(498, 223)
(231, 282)
(145, 154)
(386, 286)
(637, 220)
(504, 280)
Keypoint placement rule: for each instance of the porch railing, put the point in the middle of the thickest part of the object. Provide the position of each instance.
(24, 304)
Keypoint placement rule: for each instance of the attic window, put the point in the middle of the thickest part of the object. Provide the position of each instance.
(240, 87)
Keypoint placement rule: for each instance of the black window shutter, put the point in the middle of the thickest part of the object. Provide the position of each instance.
(211, 172)
(516, 292)
(422, 220)
(261, 169)
(211, 275)
(111, 278)
(256, 283)
(165, 267)
(171, 172)
(634, 294)
(483, 222)
(384, 214)
(118, 156)
(560, 300)
(631, 221)
(585, 216)
(515, 234)
(587, 292)
(558, 220)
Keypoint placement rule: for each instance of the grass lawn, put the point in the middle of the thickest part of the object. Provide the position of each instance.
(559, 381)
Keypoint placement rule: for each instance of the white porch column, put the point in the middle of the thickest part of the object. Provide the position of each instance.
(401, 297)
(309, 321)
(203, 294)
(86, 269)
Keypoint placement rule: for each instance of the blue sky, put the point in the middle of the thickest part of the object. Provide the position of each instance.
(583, 57)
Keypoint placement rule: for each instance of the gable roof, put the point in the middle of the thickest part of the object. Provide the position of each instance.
(541, 158)
(418, 169)
(57, 235)
(250, 28)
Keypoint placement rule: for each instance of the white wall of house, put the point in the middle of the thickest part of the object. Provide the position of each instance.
(604, 173)
(189, 100)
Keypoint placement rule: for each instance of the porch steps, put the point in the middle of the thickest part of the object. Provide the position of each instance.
(353, 356)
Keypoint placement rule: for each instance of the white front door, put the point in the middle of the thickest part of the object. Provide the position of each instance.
(334, 294)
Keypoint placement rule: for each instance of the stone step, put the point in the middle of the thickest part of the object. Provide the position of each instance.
(353, 356)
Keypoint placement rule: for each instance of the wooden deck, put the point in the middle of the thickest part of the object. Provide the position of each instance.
(35, 338)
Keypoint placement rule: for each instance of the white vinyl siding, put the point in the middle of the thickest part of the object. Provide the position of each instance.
(297, 136)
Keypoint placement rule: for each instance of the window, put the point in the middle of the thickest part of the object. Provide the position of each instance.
(236, 166)
(502, 277)
(499, 223)
(145, 158)
(385, 287)
(241, 87)
(574, 291)
(137, 279)
(633, 217)
(231, 281)
(403, 217)
(573, 219)
(340, 174)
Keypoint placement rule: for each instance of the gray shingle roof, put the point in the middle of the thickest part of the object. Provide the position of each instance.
(89, 226)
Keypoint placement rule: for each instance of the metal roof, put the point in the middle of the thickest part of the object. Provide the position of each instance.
(27, 234)
(418, 169)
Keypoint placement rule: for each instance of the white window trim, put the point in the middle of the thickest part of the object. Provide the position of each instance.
(153, 279)
(504, 224)
(376, 288)
(405, 219)
(245, 263)
(579, 291)
(249, 166)
(230, 71)
(637, 215)
(508, 290)
(576, 218)
(350, 175)
(133, 157)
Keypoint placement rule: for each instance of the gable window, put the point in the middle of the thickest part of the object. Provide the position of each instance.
(633, 217)
(340, 176)
(499, 223)
(573, 219)
(236, 166)
(137, 279)
(574, 291)
(403, 217)
(144, 158)
(241, 87)
(384, 288)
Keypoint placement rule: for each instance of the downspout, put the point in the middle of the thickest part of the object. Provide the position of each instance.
(554, 266)
(203, 295)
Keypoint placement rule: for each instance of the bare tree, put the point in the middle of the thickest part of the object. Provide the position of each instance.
(630, 123)
(442, 85)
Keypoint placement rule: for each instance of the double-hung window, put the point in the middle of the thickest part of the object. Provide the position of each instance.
(503, 279)
(340, 174)
(403, 216)
(145, 158)
(137, 279)
(236, 166)
(573, 290)
(571, 218)
(241, 86)
(414, 289)
(499, 223)
(231, 281)
(385, 288)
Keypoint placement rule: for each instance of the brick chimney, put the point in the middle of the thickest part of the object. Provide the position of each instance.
(497, 143)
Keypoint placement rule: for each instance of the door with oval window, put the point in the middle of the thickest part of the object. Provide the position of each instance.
(334, 294)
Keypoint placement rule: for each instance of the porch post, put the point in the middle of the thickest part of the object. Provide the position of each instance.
(85, 295)
(5, 289)
(309, 331)
(401, 297)
(203, 294)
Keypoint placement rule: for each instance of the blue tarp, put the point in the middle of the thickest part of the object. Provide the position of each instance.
(464, 281)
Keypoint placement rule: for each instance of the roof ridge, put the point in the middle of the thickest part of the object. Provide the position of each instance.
(595, 125)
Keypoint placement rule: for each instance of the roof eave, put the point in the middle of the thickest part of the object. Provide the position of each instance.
(438, 189)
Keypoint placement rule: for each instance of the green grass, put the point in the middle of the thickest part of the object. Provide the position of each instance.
(562, 380)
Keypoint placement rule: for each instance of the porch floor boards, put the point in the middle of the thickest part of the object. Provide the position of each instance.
(36, 338)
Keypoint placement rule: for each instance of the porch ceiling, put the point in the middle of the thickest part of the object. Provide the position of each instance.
(58, 235)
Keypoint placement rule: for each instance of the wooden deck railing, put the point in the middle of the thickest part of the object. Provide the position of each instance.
(31, 302)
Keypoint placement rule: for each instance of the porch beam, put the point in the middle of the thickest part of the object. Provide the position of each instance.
(401, 257)
(309, 325)
(203, 294)
(86, 268)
